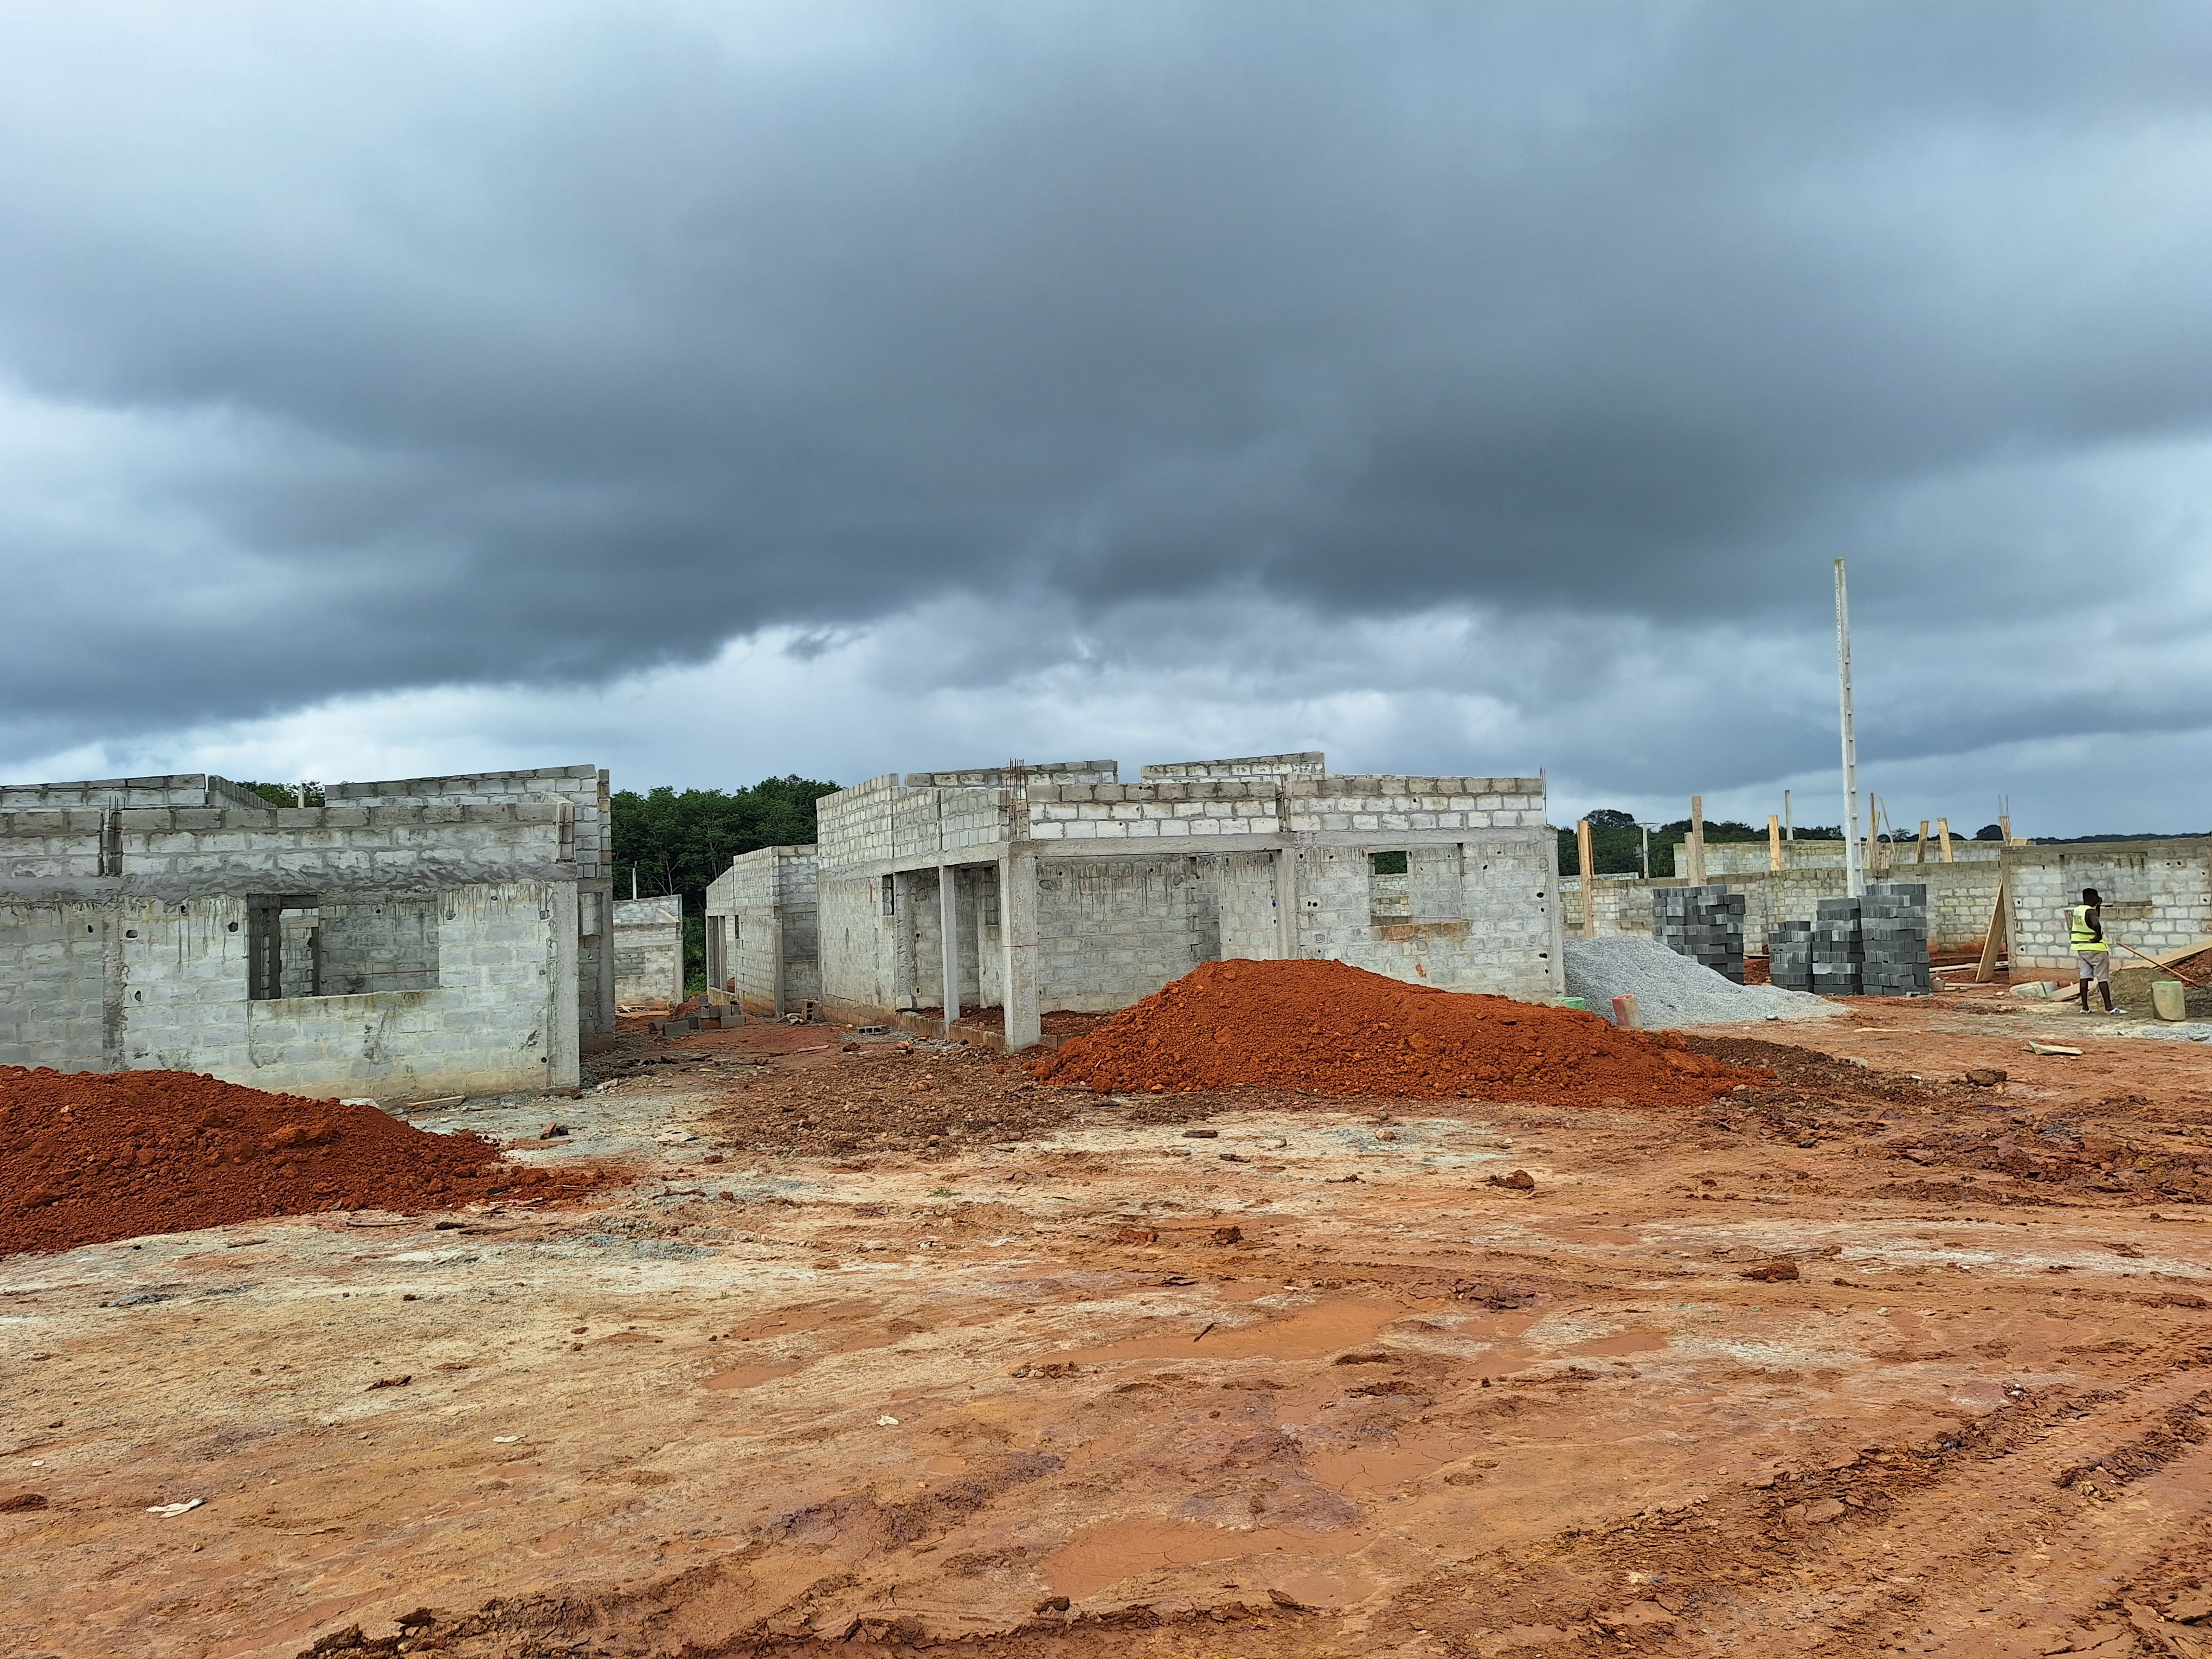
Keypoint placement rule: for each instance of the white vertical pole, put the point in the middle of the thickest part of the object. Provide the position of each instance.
(1853, 862)
(1788, 819)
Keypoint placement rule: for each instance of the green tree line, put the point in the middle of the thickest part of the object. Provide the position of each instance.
(678, 841)
(1616, 842)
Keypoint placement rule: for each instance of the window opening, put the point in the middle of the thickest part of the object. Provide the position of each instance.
(298, 945)
(1387, 897)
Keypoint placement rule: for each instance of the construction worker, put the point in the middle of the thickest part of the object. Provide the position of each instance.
(2091, 952)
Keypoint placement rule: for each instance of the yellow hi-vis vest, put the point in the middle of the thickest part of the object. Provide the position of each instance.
(2085, 936)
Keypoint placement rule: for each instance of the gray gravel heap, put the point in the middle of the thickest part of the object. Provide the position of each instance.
(1672, 990)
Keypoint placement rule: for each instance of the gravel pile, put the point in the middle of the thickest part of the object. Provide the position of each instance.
(1672, 990)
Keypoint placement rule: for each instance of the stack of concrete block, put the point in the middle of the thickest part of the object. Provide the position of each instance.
(1789, 955)
(1704, 924)
(1839, 948)
(1893, 926)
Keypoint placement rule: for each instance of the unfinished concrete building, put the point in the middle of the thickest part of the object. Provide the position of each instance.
(404, 940)
(648, 939)
(763, 930)
(2158, 894)
(1025, 888)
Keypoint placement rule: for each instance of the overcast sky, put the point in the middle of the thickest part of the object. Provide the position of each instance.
(711, 391)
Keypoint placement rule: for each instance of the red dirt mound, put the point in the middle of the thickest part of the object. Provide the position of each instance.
(91, 1156)
(1338, 1029)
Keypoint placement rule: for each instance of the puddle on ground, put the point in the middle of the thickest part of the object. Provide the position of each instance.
(745, 1377)
(1309, 1333)
(1623, 1342)
(1368, 1470)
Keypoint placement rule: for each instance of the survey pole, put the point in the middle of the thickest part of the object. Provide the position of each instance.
(1854, 860)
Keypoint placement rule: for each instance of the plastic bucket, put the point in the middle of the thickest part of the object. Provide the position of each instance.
(2169, 999)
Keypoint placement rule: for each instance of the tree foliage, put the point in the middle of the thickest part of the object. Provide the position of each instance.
(1616, 842)
(287, 794)
(678, 841)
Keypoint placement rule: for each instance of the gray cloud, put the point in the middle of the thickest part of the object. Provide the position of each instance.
(381, 347)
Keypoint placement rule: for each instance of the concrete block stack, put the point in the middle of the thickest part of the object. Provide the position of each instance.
(1704, 924)
(1789, 955)
(1839, 948)
(1893, 926)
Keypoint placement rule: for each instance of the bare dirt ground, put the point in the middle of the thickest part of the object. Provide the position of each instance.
(901, 1350)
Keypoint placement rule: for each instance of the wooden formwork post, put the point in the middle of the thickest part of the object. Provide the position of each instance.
(1773, 842)
(1590, 877)
(1997, 941)
(1943, 834)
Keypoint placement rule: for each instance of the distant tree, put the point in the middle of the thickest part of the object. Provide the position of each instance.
(1990, 832)
(678, 841)
(287, 794)
(1616, 843)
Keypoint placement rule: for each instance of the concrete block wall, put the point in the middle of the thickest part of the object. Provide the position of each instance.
(919, 932)
(1000, 777)
(1961, 898)
(447, 917)
(1242, 888)
(176, 789)
(1137, 882)
(859, 947)
(54, 1007)
(1111, 930)
(1744, 858)
(1154, 811)
(2157, 894)
(1353, 804)
(1503, 938)
(1312, 764)
(648, 947)
(357, 849)
(585, 790)
(118, 982)
(766, 910)
(377, 944)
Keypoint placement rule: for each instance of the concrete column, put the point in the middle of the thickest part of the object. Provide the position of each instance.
(1286, 904)
(948, 927)
(1017, 948)
(776, 956)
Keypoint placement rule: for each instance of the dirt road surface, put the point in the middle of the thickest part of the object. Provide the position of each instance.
(886, 1346)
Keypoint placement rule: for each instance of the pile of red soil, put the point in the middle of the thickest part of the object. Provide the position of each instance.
(1332, 1029)
(90, 1156)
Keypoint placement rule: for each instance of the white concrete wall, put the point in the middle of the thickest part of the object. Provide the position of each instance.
(2157, 894)
(1137, 882)
(648, 947)
(1751, 857)
(124, 935)
(585, 790)
(1960, 899)
(768, 904)
(124, 982)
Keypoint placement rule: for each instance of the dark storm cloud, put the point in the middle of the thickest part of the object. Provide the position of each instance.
(411, 346)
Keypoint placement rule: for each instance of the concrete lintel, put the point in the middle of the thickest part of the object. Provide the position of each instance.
(1391, 839)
